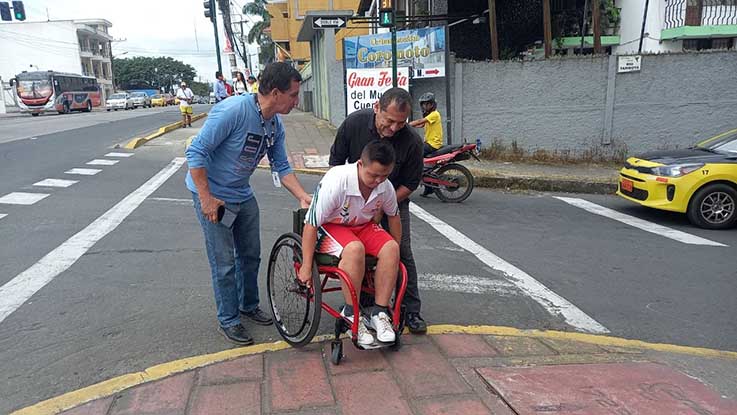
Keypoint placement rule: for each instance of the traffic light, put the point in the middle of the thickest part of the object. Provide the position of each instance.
(386, 13)
(19, 11)
(210, 12)
(5, 11)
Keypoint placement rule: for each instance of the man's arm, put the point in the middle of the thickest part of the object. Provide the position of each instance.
(295, 188)
(208, 203)
(402, 193)
(309, 242)
(339, 151)
(395, 228)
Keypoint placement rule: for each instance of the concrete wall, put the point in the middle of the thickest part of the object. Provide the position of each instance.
(562, 104)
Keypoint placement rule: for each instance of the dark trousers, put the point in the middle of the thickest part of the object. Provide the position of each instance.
(412, 295)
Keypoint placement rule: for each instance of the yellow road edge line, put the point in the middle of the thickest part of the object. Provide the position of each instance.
(582, 337)
(139, 141)
(109, 387)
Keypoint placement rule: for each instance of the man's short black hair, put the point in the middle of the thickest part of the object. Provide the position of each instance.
(398, 96)
(380, 151)
(218, 74)
(278, 75)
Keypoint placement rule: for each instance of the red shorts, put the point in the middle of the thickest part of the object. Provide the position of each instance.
(332, 238)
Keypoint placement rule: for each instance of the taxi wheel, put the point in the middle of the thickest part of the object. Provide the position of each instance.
(713, 207)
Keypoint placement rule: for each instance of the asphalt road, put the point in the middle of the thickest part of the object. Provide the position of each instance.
(141, 294)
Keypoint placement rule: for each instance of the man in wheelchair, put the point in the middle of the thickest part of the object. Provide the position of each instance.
(340, 223)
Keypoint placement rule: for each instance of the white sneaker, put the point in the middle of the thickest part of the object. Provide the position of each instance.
(365, 338)
(383, 326)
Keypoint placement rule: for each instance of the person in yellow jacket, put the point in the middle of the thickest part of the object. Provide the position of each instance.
(432, 122)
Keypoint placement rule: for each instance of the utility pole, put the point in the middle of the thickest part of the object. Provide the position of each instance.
(547, 30)
(596, 17)
(492, 30)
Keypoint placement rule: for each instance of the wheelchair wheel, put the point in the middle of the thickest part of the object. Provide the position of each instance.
(296, 309)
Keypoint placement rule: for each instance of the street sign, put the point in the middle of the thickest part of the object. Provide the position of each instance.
(328, 22)
(629, 64)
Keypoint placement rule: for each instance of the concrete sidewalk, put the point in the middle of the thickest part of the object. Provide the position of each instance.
(453, 370)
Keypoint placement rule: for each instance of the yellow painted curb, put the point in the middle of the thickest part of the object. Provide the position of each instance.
(137, 142)
(109, 387)
(315, 172)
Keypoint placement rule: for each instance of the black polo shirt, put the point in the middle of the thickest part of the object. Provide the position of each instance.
(359, 129)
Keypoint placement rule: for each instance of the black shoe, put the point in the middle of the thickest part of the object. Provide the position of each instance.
(416, 324)
(236, 334)
(259, 317)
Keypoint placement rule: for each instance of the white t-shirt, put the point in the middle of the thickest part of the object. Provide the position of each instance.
(184, 95)
(338, 199)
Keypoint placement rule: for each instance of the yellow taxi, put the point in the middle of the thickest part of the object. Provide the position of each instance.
(158, 101)
(700, 181)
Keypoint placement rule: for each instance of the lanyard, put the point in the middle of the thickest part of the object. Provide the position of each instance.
(269, 139)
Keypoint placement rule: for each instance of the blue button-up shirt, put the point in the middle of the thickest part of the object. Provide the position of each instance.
(230, 146)
(220, 92)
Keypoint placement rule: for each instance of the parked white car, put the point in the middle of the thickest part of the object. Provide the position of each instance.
(140, 99)
(119, 101)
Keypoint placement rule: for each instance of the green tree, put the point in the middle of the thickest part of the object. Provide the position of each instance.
(200, 88)
(258, 31)
(141, 71)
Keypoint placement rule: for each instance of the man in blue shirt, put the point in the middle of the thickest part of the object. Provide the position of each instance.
(219, 87)
(235, 137)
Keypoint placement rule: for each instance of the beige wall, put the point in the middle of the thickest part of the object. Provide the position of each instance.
(283, 29)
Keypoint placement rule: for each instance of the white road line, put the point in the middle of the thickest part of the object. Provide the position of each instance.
(102, 162)
(118, 154)
(18, 290)
(2, 215)
(21, 198)
(548, 299)
(55, 183)
(169, 199)
(83, 172)
(679, 236)
(470, 284)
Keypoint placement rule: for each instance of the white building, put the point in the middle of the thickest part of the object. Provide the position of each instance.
(677, 25)
(76, 46)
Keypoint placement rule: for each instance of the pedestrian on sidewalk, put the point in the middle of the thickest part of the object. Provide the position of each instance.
(387, 120)
(433, 124)
(185, 96)
(219, 87)
(240, 84)
(221, 159)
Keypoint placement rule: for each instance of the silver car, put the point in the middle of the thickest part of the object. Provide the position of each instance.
(119, 101)
(141, 99)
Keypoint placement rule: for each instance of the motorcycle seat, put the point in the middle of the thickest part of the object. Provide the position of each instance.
(444, 150)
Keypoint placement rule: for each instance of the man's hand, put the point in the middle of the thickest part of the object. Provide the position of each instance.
(305, 201)
(209, 205)
(378, 217)
(305, 275)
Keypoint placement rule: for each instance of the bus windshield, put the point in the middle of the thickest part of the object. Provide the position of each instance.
(33, 89)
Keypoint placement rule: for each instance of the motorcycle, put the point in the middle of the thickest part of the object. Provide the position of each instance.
(452, 182)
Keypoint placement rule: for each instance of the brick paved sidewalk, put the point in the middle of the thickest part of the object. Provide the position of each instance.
(437, 374)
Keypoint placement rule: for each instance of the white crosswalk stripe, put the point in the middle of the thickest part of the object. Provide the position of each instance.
(55, 183)
(22, 198)
(83, 172)
(124, 155)
(102, 162)
(646, 226)
(2, 215)
(470, 284)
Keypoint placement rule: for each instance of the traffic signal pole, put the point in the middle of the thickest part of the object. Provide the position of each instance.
(212, 14)
(394, 56)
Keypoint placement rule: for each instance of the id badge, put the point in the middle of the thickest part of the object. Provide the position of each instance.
(276, 179)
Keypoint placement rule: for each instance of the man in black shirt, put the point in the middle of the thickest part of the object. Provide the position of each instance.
(388, 120)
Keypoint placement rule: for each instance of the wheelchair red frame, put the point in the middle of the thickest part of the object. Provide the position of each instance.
(323, 272)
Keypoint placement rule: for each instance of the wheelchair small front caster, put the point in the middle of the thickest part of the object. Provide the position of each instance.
(336, 351)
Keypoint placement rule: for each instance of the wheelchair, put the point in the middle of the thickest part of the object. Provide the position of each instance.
(296, 309)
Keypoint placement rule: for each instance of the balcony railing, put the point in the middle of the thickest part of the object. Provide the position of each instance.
(680, 13)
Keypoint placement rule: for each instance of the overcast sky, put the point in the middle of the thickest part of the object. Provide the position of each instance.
(176, 28)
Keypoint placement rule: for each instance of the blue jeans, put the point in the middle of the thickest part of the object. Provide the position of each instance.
(234, 256)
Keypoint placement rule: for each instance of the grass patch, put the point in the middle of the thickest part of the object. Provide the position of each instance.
(614, 154)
